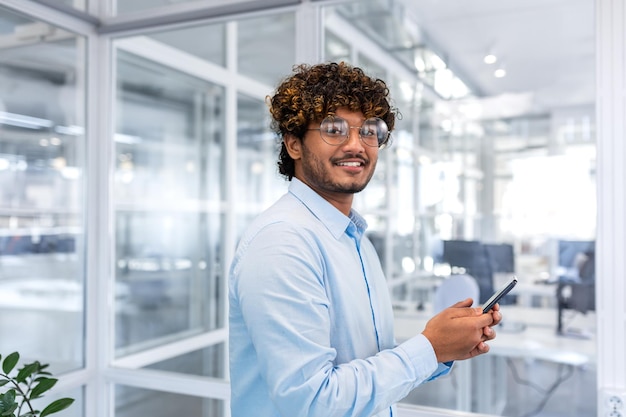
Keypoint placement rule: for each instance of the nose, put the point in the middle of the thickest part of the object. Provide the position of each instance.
(354, 139)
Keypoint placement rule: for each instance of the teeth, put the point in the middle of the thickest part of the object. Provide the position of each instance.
(350, 164)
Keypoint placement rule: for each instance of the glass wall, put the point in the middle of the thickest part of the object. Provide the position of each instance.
(193, 160)
(172, 192)
(465, 190)
(258, 182)
(132, 402)
(42, 192)
(81, 5)
(169, 153)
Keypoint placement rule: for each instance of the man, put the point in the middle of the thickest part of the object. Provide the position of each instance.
(311, 324)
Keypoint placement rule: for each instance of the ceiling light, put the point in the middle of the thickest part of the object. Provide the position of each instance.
(437, 62)
(69, 130)
(21, 120)
(499, 73)
(419, 63)
(490, 58)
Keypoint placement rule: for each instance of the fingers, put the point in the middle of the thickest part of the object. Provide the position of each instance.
(461, 332)
(481, 348)
(489, 333)
(497, 318)
(496, 315)
(465, 303)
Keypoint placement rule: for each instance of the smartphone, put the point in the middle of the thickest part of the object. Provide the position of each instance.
(499, 294)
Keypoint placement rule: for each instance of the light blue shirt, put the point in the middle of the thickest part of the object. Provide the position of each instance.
(311, 323)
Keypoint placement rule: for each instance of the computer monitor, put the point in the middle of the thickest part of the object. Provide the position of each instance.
(471, 256)
(501, 257)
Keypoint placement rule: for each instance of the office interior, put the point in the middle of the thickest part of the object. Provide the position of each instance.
(135, 147)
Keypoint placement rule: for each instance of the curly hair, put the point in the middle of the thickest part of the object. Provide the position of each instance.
(315, 91)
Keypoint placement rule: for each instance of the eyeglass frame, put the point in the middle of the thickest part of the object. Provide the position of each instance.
(379, 145)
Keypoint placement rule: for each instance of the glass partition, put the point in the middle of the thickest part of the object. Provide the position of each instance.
(42, 193)
(81, 5)
(168, 198)
(172, 208)
(266, 47)
(131, 402)
(76, 409)
(206, 42)
(258, 180)
(189, 123)
(209, 362)
(123, 7)
(474, 185)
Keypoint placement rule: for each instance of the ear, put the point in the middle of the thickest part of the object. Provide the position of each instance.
(293, 146)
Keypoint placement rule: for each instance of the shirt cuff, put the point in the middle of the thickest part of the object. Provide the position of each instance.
(422, 355)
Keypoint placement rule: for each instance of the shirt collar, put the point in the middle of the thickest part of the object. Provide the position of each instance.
(334, 220)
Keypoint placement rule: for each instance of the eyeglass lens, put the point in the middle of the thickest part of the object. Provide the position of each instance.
(335, 130)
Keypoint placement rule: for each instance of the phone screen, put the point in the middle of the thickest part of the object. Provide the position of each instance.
(499, 294)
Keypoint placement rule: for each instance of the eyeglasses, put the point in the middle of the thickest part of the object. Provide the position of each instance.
(335, 131)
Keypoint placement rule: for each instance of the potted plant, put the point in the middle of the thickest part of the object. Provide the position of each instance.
(28, 383)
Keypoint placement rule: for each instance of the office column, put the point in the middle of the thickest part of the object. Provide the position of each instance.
(611, 177)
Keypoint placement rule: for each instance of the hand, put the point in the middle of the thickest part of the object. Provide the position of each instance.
(497, 316)
(460, 332)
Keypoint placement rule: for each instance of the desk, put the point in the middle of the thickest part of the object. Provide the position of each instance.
(536, 341)
(528, 292)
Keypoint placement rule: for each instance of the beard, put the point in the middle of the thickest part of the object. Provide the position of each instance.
(318, 175)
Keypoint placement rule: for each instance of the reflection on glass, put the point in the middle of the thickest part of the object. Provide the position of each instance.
(168, 196)
(371, 67)
(128, 6)
(208, 362)
(258, 181)
(133, 402)
(459, 170)
(42, 164)
(76, 409)
(266, 47)
(206, 42)
(335, 49)
(76, 4)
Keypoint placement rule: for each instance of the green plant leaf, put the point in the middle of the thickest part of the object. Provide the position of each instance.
(44, 385)
(27, 371)
(7, 403)
(56, 406)
(9, 412)
(8, 397)
(10, 362)
(4, 382)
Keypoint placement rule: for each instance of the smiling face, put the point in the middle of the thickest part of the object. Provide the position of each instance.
(334, 172)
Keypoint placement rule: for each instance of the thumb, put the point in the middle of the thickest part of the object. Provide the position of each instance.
(462, 304)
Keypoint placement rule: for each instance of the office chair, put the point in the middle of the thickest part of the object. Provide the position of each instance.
(453, 289)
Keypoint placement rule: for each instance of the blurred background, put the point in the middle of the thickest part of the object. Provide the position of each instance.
(135, 148)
